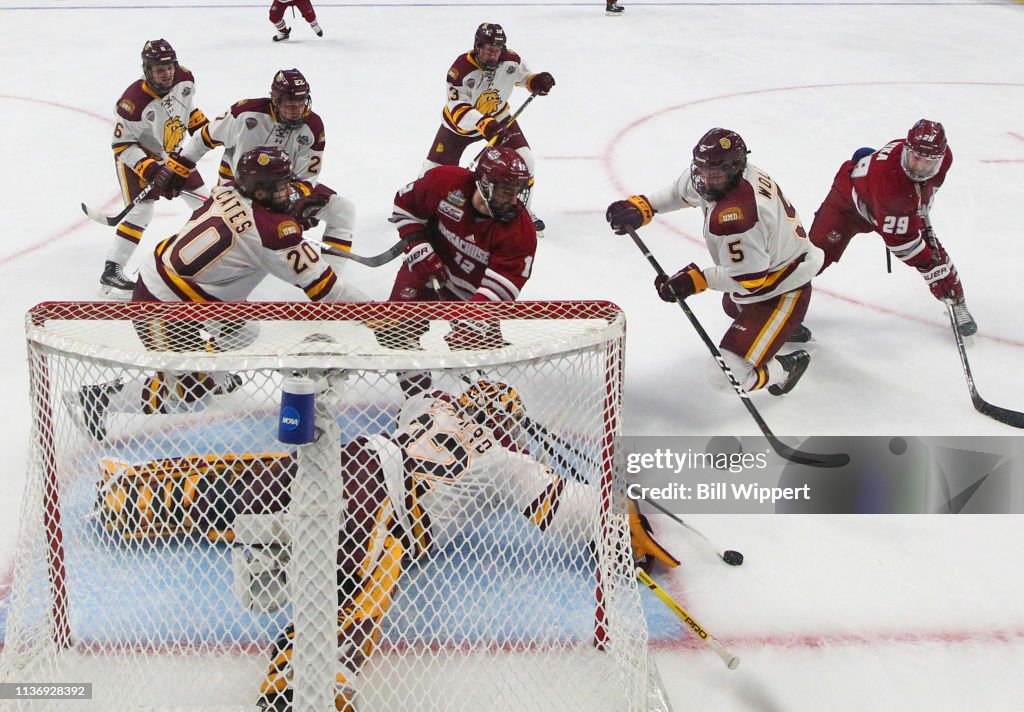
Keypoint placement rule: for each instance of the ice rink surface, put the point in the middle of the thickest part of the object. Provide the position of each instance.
(828, 613)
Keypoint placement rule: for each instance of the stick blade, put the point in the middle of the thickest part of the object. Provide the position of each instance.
(1013, 418)
(99, 217)
(839, 459)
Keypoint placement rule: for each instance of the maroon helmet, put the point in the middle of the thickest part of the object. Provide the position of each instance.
(924, 150)
(290, 98)
(489, 34)
(719, 159)
(158, 53)
(263, 174)
(503, 181)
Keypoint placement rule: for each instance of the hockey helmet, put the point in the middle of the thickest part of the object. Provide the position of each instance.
(719, 159)
(290, 98)
(264, 174)
(159, 53)
(503, 180)
(924, 150)
(488, 44)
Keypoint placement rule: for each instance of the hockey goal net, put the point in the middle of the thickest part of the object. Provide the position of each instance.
(173, 550)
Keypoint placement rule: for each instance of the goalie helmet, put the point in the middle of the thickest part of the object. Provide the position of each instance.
(290, 98)
(264, 174)
(493, 404)
(719, 159)
(924, 150)
(488, 44)
(503, 181)
(158, 53)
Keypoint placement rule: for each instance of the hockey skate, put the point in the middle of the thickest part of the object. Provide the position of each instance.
(965, 323)
(795, 364)
(282, 35)
(800, 336)
(114, 283)
(614, 9)
(315, 26)
(88, 407)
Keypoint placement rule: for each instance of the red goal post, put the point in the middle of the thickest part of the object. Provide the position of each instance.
(89, 598)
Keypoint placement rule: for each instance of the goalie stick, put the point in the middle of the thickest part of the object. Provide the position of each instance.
(113, 220)
(784, 451)
(1012, 418)
(731, 661)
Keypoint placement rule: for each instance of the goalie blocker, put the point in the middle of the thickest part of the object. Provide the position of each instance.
(402, 500)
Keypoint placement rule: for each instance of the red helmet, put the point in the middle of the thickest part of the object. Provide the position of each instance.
(719, 159)
(156, 53)
(260, 173)
(503, 181)
(924, 150)
(489, 34)
(291, 85)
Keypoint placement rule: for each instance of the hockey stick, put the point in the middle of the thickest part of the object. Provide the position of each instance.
(1012, 418)
(372, 261)
(494, 140)
(115, 219)
(731, 661)
(729, 556)
(783, 450)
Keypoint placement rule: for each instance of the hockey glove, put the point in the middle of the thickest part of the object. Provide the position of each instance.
(304, 209)
(424, 263)
(641, 537)
(632, 213)
(943, 281)
(540, 83)
(489, 128)
(684, 283)
(171, 177)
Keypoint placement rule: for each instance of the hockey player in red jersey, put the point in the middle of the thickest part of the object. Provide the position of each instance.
(451, 460)
(479, 86)
(277, 8)
(151, 119)
(890, 191)
(470, 238)
(762, 258)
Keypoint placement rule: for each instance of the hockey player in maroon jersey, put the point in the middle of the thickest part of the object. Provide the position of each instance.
(152, 117)
(246, 230)
(277, 8)
(451, 460)
(890, 191)
(762, 258)
(480, 84)
(470, 238)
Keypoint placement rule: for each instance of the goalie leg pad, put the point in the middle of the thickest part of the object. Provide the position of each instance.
(645, 548)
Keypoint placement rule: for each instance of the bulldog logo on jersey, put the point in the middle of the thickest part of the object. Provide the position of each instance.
(488, 102)
(174, 133)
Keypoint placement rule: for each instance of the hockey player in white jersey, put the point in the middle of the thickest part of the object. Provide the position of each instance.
(479, 86)
(152, 118)
(246, 230)
(450, 461)
(284, 120)
(763, 261)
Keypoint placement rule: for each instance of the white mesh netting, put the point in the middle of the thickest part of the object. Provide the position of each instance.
(419, 555)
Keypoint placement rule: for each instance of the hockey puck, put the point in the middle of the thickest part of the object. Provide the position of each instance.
(733, 558)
